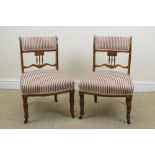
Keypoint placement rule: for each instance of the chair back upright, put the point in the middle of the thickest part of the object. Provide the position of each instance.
(112, 45)
(38, 46)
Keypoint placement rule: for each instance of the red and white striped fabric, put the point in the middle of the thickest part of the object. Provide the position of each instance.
(107, 83)
(112, 43)
(45, 82)
(38, 43)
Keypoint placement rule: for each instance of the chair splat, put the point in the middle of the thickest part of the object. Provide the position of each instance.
(39, 58)
(112, 58)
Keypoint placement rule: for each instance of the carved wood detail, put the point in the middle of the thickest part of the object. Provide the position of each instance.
(39, 61)
(39, 58)
(40, 66)
(112, 58)
(111, 66)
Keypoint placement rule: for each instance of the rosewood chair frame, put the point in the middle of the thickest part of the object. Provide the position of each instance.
(112, 53)
(39, 54)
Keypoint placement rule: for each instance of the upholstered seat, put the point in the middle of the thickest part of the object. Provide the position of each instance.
(45, 82)
(107, 82)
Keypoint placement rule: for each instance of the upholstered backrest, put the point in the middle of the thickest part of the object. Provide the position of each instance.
(112, 45)
(38, 45)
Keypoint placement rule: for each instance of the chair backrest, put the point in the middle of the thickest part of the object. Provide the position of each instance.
(112, 45)
(38, 45)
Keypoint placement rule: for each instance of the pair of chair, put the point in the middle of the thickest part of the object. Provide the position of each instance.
(107, 83)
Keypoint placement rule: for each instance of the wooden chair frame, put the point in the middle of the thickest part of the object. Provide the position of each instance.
(112, 53)
(40, 64)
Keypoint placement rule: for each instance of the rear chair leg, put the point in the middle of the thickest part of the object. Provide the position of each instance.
(25, 106)
(55, 98)
(128, 103)
(72, 103)
(81, 105)
(95, 98)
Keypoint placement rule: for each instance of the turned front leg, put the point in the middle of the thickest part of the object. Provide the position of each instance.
(72, 103)
(55, 98)
(25, 106)
(81, 105)
(128, 103)
(95, 98)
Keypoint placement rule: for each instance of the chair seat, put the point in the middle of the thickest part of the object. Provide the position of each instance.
(45, 82)
(107, 83)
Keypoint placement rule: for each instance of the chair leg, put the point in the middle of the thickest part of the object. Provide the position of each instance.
(25, 106)
(72, 103)
(128, 103)
(81, 105)
(95, 98)
(55, 98)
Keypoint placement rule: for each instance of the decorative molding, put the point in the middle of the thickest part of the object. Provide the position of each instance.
(9, 84)
(140, 86)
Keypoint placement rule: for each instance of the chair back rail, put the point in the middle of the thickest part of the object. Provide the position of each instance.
(38, 45)
(112, 46)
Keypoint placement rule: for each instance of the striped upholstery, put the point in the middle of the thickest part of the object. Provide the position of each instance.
(38, 43)
(112, 43)
(107, 83)
(45, 82)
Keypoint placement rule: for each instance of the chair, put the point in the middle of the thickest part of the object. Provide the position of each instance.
(42, 82)
(109, 83)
